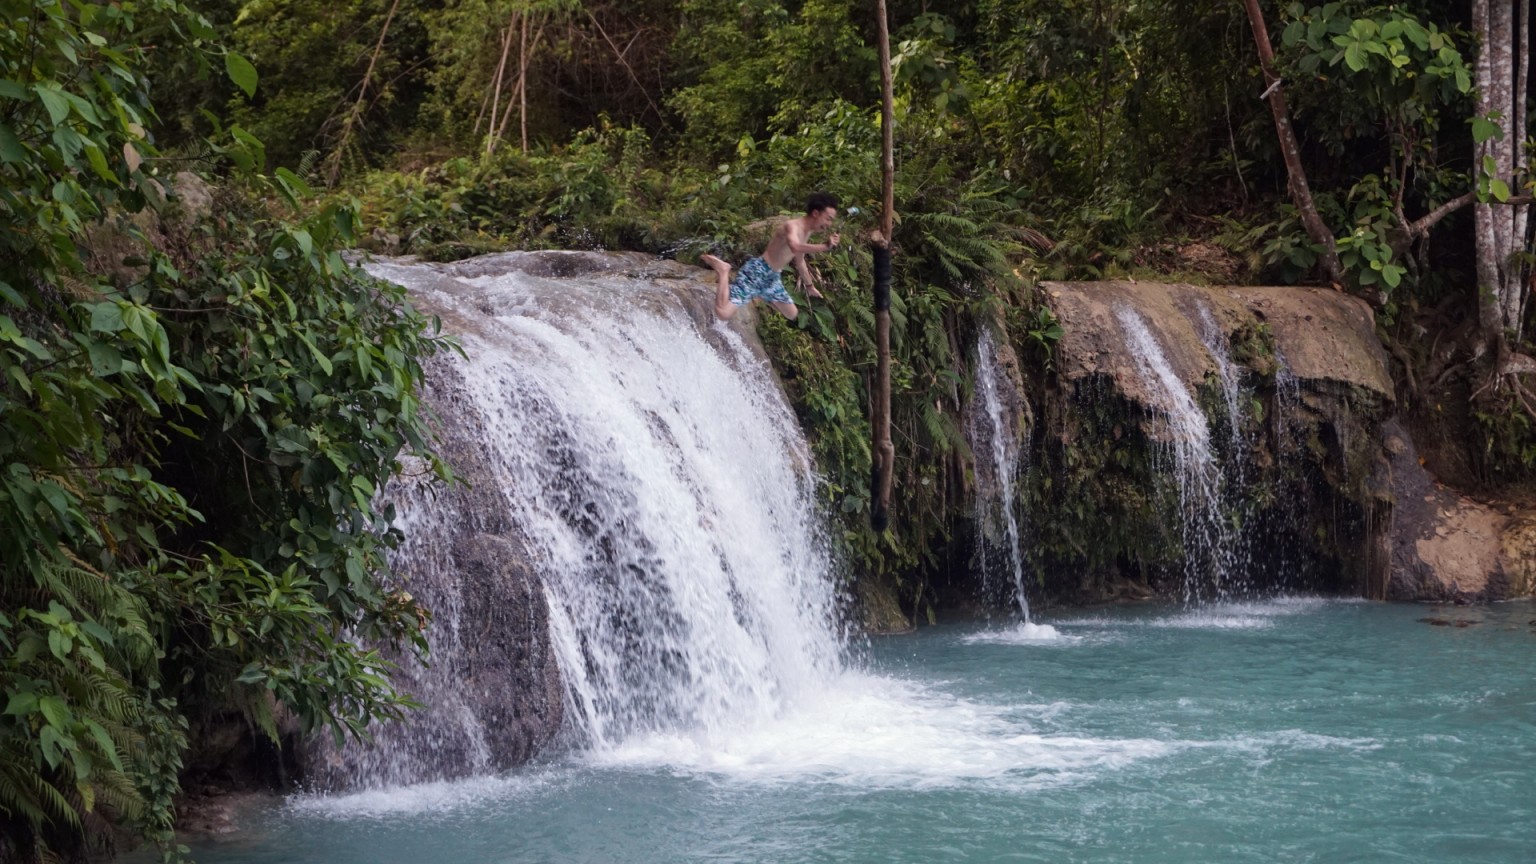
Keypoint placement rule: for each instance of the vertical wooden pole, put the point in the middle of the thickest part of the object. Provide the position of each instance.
(522, 85)
(883, 451)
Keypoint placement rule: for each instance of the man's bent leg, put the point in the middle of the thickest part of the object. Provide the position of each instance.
(724, 308)
(788, 310)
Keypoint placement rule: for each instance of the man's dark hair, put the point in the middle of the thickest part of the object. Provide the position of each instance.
(820, 201)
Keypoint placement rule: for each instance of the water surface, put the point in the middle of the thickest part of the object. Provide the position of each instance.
(1295, 730)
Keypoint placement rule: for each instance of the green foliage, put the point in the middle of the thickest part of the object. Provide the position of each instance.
(1041, 333)
(1404, 67)
(1365, 71)
(1095, 499)
(1367, 250)
(599, 191)
(313, 59)
(763, 67)
(84, 729)
(190, 440)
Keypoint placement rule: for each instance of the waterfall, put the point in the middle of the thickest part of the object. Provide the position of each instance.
(659, 482)
(1202, 525)
(1230, 376)
(997, 440)
(1234, 552)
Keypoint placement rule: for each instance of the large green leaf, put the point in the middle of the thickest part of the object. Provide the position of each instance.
(1484, 129)
(11, 150)
(54, 101)
(241, 72)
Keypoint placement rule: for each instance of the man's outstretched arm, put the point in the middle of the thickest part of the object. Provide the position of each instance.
(807, 278)
(796, 238)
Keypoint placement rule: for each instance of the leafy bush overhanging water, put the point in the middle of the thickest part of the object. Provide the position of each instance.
(195, 412)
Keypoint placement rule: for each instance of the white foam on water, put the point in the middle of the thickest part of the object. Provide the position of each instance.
(1288, 739)
(1279, 606)
(1212, 621)
(421, 798)
(1250, 615)
(1242, 615)
(870, 732)
(1023, 634)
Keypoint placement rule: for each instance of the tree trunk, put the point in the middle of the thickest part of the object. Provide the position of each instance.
(530, 44)
(1514, 312)
(1301, 193)
(1501, 75)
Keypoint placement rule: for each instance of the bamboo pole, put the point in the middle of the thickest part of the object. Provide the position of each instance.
(492, 131)
(883, 452)
(522, 85)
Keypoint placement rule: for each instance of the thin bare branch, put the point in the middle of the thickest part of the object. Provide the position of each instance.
(625, 63)
(354, 117)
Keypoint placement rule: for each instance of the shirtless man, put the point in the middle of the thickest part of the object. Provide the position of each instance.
(759, 277)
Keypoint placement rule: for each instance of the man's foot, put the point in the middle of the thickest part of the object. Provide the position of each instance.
(714, 263)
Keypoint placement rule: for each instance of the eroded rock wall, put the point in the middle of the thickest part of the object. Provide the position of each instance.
(1319, 487)
(491, 692)
(1295, 494)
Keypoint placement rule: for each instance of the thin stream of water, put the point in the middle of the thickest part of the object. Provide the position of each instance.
(1203, 525)
(1001, 443)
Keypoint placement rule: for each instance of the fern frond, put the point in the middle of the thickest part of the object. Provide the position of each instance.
(51, 800)
(115, 790)
(16, 800)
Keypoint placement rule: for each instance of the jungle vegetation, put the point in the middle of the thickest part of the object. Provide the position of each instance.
(189, 443)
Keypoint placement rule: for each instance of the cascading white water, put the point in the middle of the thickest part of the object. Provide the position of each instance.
(1197, 472)
(1231, 377)
(664, 490)
(1287, 385)
(1233, 552)
(1000, 444)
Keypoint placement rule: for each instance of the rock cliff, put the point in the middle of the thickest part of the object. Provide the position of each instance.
(1308, 481)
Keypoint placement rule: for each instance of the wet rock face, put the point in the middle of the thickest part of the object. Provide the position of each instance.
(1444, 547)
(491, 695)
(1448, 547)
(1323, 479)
(1246, 456)
(1324, 336)
(1518, 545)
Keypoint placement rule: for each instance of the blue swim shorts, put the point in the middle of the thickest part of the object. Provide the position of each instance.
(757, 279)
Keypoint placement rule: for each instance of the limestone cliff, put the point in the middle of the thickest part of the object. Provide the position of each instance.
(1306, 482)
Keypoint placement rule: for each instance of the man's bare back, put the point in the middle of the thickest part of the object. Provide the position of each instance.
(790, 244)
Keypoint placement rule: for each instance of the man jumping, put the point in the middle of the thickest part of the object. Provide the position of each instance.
(759, 277)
